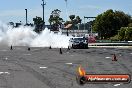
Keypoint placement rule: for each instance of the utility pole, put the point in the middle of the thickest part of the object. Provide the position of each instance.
(43, 4)
(84, 23)
(66, 9)
(26, 16)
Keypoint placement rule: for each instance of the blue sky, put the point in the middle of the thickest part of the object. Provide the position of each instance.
(14, 10)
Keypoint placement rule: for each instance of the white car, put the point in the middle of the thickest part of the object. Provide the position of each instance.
(78, 42)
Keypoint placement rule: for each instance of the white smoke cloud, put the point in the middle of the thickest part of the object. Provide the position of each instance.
(25, 36)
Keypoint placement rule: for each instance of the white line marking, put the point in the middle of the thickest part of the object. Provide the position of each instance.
(4, 73)
(69, 63)
(117, 84)
(130, 53)
(7, 73)
(6, 58)
(107, 57)
(1, 72)
(42, 67)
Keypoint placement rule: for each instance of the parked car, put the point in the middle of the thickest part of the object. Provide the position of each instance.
(78, 42)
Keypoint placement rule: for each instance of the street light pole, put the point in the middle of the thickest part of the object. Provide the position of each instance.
(66, 9)
(43, 4)
(84, 23)
(26, 16)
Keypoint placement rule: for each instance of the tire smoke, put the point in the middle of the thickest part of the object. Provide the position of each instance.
(25, 36)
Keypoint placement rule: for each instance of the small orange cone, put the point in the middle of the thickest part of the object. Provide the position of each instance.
(114, 58)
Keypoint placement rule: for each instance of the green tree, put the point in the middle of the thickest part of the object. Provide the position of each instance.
(72, 17)
(38, 22)
(128, 34)
(55, 20)
(74, 20)
(130, 25)
(121, 33)
(108, 23)
(125, 33)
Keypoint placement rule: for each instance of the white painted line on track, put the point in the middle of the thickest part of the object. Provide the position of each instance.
(43, 67)
(107, 57)
(117, 84)
(7, 73)
(4, 73)
(6, 58)
(69, 63)
(130, 53)
(1, 72)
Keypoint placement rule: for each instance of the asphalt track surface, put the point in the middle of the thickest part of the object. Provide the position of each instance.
(47, 68)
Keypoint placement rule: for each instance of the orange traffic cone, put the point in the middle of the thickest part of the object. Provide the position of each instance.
(114, 58)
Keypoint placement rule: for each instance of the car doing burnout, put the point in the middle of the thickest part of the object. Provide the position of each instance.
(78, 42)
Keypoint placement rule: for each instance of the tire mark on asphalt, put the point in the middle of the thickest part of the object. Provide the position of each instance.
(63, 70)
(42, 78)
(22, 59)
(25, 60)
(59, 69)
(6, 82)
(74, 74)
(37, 75)
(125, 68)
